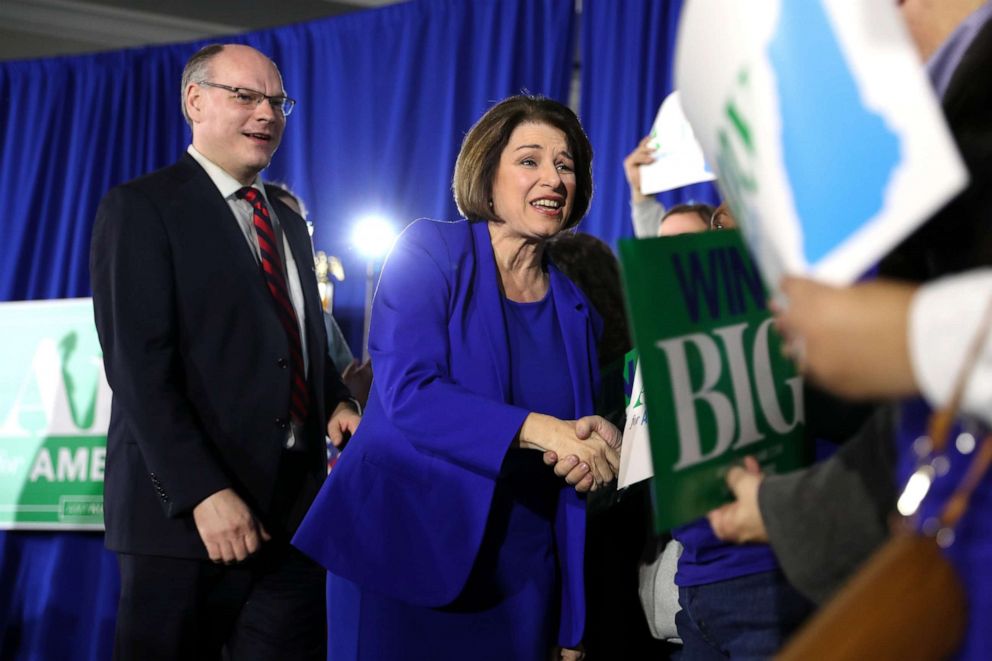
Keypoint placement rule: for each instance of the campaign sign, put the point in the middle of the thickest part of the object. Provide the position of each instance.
(635, 451)
(678, 158)
(54, 410)
(716, 385)
(823, 128)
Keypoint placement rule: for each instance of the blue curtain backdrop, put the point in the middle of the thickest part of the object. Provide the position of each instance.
(385, 97)
(627, 52)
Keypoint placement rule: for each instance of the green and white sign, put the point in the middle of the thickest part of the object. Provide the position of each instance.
(54, 410)
(716, 385)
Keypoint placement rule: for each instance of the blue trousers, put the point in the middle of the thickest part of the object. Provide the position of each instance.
(742, 618)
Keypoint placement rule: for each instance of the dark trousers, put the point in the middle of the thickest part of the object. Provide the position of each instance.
(746, 618)
(271, 606)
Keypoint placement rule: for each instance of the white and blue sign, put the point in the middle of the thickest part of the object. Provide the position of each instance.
(826, 136)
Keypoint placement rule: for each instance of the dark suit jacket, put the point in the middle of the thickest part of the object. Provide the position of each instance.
(825, 521)
(197, 360)
(405, 508)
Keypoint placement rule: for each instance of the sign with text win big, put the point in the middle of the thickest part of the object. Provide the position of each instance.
(54, 411)
(716, 386)
(825, 134)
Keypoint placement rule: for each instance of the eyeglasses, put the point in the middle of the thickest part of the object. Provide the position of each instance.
(252, 98)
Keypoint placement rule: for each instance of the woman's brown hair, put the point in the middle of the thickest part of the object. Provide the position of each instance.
(479, 156)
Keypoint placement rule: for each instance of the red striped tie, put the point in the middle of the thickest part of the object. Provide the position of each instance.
(275, 279)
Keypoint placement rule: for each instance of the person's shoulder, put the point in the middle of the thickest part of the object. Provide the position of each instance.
(433, 234)
(153, 195)
(439, 228)
(447, 244)
(161, 183)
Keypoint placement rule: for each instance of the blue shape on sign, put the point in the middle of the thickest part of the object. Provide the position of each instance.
(838, 154)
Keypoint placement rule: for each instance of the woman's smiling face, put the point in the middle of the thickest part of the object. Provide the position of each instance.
(534, 184)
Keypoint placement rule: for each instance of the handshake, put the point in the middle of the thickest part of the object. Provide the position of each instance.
(586, 452)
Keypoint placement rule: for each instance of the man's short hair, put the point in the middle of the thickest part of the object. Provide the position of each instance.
(479, 156)
(197, 70)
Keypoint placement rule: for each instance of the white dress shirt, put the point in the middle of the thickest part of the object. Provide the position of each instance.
(944, 320)
(242, 210)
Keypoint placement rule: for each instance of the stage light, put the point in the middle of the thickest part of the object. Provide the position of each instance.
(373, 236)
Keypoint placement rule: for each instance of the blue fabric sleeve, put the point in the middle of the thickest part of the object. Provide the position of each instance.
(410, 346)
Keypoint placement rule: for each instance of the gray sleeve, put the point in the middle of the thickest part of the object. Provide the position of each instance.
(337, 346)
(824, 521)
(646, 216)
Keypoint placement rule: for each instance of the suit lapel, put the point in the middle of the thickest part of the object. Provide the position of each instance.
(571, 310)
(573, 320)
(205, 203)
(485, 287)
(294, 228)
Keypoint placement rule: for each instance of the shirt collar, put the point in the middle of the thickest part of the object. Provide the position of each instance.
(946, 59)
(225, 183)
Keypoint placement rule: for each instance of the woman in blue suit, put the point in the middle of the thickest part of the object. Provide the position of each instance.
(446, 532)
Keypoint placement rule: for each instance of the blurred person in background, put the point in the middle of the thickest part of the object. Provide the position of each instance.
(357, 375)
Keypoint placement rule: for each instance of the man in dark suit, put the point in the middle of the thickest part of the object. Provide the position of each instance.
(208, 315)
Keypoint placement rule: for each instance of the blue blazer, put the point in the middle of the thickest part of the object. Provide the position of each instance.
(404, 509)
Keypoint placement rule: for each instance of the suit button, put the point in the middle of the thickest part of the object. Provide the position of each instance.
(282, 362)
(282, 423)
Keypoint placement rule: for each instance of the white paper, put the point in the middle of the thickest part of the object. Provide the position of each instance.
(821, 125)
(635, 452)
(678, 158)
